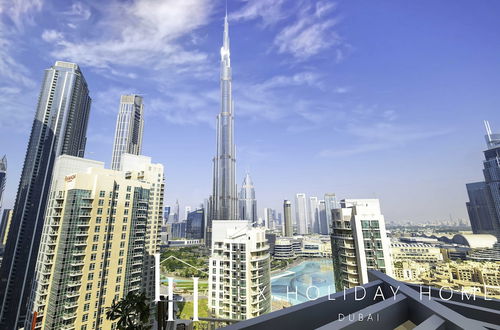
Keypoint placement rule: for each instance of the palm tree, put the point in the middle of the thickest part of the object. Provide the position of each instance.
(132, 312)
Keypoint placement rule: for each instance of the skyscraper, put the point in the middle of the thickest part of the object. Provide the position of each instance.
(101, 231)
(269, 216)
(176, 211)
(481, 219)
(187, 210)
(301, 216)
(313, 225)
(129, 128)
(323, 224)
(359, 242)
(224, 185)
(3, 177)
(223, 203)
(195, 224)
(330, 204)
(287, 223)
(247, 201)
(59, 127)
(486, 195)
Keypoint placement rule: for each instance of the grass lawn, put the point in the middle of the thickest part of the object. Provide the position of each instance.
(186, 309)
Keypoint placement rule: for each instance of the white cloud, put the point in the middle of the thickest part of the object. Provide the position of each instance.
(20, 12)
(301, 78)
(139, 34)
(372, 134)
(79, 12)
(17, 88)
(271, 11)
(52, 36)
(310, 34)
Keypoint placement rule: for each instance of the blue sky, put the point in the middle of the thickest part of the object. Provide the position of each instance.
(362, 98)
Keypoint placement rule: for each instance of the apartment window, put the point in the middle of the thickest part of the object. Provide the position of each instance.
(85, 317)
(98, 220)
(87, 296)
(102, 193)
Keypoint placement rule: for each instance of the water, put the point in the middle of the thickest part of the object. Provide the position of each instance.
(310, 279)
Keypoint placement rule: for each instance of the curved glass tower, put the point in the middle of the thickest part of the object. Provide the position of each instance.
(224, 198)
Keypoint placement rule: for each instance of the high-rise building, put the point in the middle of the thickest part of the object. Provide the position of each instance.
(269, 218)
(100, 234)
(287, 223)
(491, 174)
(224, 199)
(3, 177)
(330, 204)
(323, 224)
(129, 129)
(187, 210)
(5, 226)
(359, 242)
(195, 224)
(313, 225)
(239, 271)
(247, 201)
(301, 216)
(166, 214)
(176, 211)
(59, 127)
(481, 219)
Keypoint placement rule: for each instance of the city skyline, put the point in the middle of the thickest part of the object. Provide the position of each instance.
(429, 151)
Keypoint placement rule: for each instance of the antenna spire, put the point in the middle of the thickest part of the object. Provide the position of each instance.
(488, 129)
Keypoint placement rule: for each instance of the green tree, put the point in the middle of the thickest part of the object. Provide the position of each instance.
(132, 312)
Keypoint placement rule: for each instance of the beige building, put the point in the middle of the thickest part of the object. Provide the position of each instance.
(101, 229)
(419, 252)
(239, 271)
(465, 276)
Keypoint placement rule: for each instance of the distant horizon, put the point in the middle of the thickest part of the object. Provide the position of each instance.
(345, 97)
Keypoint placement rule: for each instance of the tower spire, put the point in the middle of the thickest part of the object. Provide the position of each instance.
(224, 197)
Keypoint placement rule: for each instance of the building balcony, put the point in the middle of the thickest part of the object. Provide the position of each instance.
(69, 316)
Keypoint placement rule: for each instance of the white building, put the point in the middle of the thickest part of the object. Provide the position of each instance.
(239, 271)
(359, 242)
(301, 216)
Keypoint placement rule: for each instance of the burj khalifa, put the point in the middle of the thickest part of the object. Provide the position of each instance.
(224, 197)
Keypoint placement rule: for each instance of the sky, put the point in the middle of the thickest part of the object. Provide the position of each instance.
(366, 99)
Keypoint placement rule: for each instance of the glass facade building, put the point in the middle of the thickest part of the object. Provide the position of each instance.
(129, 129)
(480, 217)
(3, 177)
(224, 196)
(195, 224)
(248, 203)
(59, 127)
